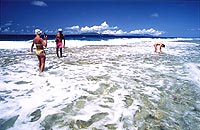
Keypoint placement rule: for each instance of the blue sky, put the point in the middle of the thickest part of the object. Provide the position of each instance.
(176, 18)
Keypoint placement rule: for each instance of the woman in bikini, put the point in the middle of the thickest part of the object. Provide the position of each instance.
(158, 44)
(40, 44)
(59, 38)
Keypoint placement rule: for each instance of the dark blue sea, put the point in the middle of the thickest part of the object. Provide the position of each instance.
(87, 37)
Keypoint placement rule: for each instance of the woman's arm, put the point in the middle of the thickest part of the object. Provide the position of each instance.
(64, 41)
(44, 42)
(56, 39)
(155, 46)
(31, 50)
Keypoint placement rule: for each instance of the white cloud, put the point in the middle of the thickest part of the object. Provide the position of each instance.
(104, 28)
(109, 32)
(97, 29)
(39, 3)
(104, 25)
(49, 31)
(155, 15)
(139, 32)
(6, 30)
(148, 31)
(86, 29)
(9, 23)
(120, 32)
(115, 27)
(75, 27)
(114, 32)
(194, 29)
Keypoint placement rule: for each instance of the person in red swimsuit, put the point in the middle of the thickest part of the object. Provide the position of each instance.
(158, 44)
(40, 44)
(58, 40)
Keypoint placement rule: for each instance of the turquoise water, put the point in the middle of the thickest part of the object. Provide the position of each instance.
(118, 84)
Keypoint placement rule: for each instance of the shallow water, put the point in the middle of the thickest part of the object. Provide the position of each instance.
(115, 85)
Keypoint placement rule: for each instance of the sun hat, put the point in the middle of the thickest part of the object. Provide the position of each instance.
(38, 31)
(60, 30)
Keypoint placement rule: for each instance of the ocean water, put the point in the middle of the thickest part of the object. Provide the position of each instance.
(116, 84)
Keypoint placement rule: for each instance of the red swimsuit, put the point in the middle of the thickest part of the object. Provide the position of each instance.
(59, 41)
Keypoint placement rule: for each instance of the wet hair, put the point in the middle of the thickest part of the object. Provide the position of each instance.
(163, 45)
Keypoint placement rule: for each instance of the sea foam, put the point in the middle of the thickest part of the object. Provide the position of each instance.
(108, 84)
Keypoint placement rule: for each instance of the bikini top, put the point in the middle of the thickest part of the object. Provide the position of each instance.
(38, 43)
(59, 38)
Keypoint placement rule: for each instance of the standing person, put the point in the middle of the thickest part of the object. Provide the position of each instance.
(158, 44)
(40, 44)
(58, 40)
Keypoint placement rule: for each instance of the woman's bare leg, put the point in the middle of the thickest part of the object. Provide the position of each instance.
(39, 59)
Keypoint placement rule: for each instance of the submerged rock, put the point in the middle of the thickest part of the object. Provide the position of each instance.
(147, 119)
(95, 78)
(113, 88)
(108, 99)
(21, 82)
(52, 120)
(35, 115)
(197, 107)
(104, 106)
(128, 100)
(111, 126)
(68, 108)
(80, 104)
(6, 124)
(84, 61)
(98, 116)
(74, 106)
(141, 114)
(94, 118)
(83, 124)
(158, 115)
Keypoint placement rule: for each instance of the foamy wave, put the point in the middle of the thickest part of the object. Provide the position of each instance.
(80, 43)
(111, 84)
(194, 71)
